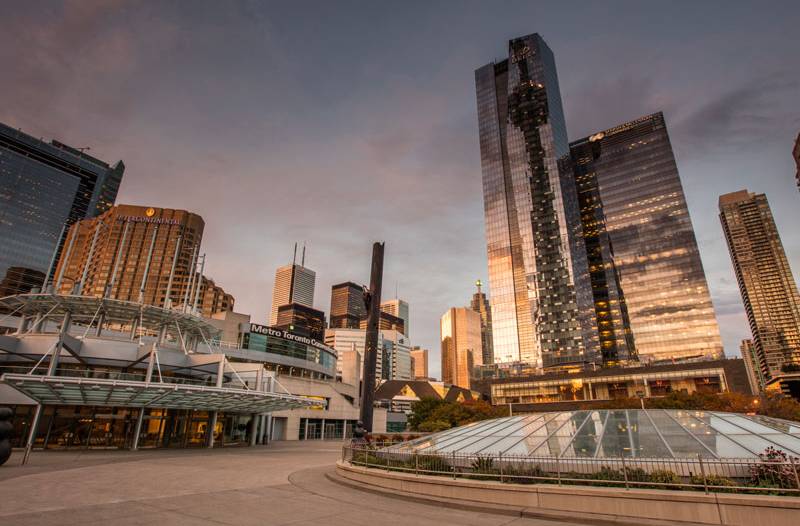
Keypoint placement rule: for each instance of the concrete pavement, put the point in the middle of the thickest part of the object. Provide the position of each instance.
(285, 483)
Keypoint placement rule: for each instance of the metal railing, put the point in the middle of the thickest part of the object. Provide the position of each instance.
(739, 475)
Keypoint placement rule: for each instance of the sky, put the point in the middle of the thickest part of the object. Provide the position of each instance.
(336, 124)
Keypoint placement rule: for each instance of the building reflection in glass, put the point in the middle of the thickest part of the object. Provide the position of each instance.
(541, 299)
(641, 234)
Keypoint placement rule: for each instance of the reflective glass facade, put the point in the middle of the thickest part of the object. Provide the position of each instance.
(347, 306)
(642, 249)
(768, 289)
(631, 433)
(461, 345)
(540, 292)
(294, 349)
(480, 304)
(44, 187)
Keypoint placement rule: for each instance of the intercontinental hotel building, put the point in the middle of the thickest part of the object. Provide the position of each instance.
(131, 346)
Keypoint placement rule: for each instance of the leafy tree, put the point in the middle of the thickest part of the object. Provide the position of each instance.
(437, 415)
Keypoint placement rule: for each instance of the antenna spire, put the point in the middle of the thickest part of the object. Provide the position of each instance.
(294, 257)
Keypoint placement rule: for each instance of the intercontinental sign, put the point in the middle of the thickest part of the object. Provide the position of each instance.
(286, 335)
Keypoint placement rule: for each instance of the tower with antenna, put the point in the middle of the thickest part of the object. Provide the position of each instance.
(293, 284)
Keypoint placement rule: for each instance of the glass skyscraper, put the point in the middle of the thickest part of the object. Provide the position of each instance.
(541, 299)
(43, 188)
(768, 289)
(642, 251)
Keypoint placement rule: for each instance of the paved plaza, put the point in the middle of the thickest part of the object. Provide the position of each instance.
(281, 484)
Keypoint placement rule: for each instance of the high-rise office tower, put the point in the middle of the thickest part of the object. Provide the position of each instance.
(141, 254)
(393, 357)
(44, 188)
(796, 155)
(768, 289)
(302, 320)
(293, 284)
(386, 322)
(398, 308)
(480, 305)
(461, 345)
(541, 299)
(347, 306)
(419, 358)
(646, 272)
(755, 377)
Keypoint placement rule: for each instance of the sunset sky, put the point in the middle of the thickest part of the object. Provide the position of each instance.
(341, 123)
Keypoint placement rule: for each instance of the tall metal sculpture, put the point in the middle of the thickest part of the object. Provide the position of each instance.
(372, 302)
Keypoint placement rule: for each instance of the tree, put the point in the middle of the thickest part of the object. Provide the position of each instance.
(433, 415)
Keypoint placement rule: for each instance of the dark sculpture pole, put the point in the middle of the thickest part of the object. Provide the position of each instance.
(372, 301)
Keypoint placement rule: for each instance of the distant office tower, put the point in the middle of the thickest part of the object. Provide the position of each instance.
(480, 305)
(755, 376)
(386, 322)
(398, 308)
(461, 345)
(301, 320)
(645, 266)
(44, 188)
(394, 352)
(347, 306)
(293, 284)
(796, 155)
(768, 289)
(136, 253)
(420, 361)
(541, 300)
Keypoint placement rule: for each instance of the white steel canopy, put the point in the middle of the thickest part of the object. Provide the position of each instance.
(62, 390)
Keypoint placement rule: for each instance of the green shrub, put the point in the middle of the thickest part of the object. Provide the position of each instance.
(665, 476)
(524, 474)
(718, 481)
(431, 463)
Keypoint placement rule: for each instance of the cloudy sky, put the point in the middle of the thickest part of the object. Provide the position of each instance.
(340, 123)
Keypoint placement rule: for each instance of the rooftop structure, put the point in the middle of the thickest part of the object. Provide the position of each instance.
(630, 433)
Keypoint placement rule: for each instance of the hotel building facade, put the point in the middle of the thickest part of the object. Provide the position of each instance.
(140, 254)
(650, 292)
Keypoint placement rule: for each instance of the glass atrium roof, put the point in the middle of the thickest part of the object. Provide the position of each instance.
(654, 433)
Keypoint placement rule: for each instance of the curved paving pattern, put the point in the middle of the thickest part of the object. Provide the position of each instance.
(283, 484)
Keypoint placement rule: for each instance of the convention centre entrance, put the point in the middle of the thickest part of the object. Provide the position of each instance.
(87, 427)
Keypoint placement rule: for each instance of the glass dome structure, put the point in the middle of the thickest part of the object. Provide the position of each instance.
(632, 433)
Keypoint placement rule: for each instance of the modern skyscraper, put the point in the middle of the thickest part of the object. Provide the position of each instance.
(647, 276)
(752, 365)
(293, 284)
(140, 254)
(301, 320)
(796, 155)
(347, 306)
(44, 188)
(386, 322)
(461, 345)
(480, 305)
(541, 299)
(768, 289)
(394, 352)
(419, 357)
(399, 308)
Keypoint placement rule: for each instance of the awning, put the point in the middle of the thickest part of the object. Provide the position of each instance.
(62, 390)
